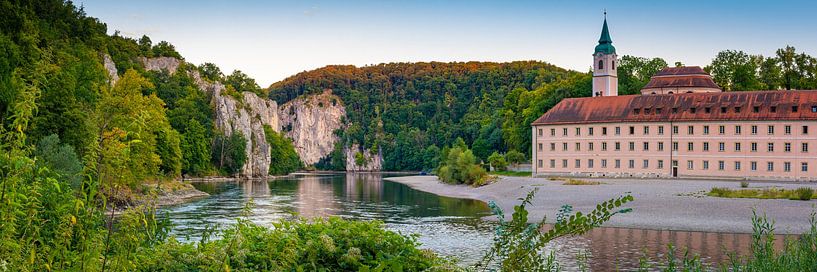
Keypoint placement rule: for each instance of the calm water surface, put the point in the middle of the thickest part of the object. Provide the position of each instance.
(449, 226)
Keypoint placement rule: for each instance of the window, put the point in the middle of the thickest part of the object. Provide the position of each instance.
(738, 130)
(721, 130)
(578, 131)
(646, 130)
(604, 131)
(755, 109)
(706, 165)
(771, 130)
(552, 163)
(647, 111)
(631, 164)
(540, 132)
(737, 166)
(632, 146)
(564, 163)
(690, 130)
(564, 131)
(723, 109)
(540, 146)
(754, 147)
(804, 167)
(658, 110)
(603, 163)
(660, 146)
(706, 130)
(646, 164)
(674, 146)
(661, 130)
(604, 146)
(618, 163)
(590, 131)
(754, 130)
(540, 163)
(613, 65)
(770, 147)
(564, 146)
(804, 148)
(795, 108)
(721, 147)
(707, 110)
(674, 110)
(787, 167)
(692, 110)
(813, 108)
(690, 146)
(578, 146)
(601, 64)
(636, 111)
(552, 132)
(787, 147)
(787, 130)
(721, 165)
(632, 130)
(578, 163)
(552, 146)
(674, 129)
(737, 147)
(646, 146)
(737, 109)
(589, 146)
(753, 166)
(706, 146)
(660, 164)
(769, 166)
(618, 146)
(773, 109)
(618, 130)
(590, 163)
(690, 165)
(805, 130)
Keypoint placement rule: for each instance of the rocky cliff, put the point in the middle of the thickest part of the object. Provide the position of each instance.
(107, 62)
(362, 160)
(310, 121)
(247, 116)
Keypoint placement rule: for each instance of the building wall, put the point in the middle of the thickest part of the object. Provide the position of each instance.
(692, 161)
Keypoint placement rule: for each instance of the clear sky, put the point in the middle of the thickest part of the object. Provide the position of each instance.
(271, 40)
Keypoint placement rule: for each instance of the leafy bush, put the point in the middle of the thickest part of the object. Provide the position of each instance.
(459, 166)
(60, 158)
(283, 158)
(804, 193)
(514, 157)
(498, 162)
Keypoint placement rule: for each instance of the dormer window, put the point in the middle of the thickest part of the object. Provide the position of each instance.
(773, 109)
(794, 108)
(636, 111)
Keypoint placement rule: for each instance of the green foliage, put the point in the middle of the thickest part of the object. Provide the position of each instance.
(803, 193)
(60, 158)
(744, 184)
(519, 245)
(511, 173)
(635, 72)
(514, 157)
(497, 161)
(229, 152)
(241, 82)
(195, 146)
(735, 70)
(459, 166)
(283, 157)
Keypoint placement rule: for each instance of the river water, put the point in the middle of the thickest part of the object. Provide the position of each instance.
(449, 226)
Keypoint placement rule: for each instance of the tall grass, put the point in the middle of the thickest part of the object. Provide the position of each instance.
(803, 193)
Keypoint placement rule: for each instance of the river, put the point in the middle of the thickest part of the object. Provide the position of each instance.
(449, 226)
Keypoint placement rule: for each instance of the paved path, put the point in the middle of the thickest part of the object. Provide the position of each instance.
(659, 204)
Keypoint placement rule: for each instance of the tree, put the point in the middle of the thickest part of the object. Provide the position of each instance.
(60, 158)
(498, 161)
(514, 157)
(635, 72)
(283, 157)
(785, 56)
(459, 165)
(211, 71)
(735, 70)
(195, 146)
(229, 152)
(241, 82)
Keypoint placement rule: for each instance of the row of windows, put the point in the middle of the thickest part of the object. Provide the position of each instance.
(738, 109)
(705, 165)
(738, 130)
(690, 146)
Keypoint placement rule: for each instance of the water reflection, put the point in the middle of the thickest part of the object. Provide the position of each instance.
(451, 227)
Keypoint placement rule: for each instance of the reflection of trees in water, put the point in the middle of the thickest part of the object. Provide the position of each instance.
(315, 197)
(255, 188)
(362, 186)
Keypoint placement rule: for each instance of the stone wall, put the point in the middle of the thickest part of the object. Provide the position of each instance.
(310, 121)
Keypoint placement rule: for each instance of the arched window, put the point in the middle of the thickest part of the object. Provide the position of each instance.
(601, 64)
(614, 65)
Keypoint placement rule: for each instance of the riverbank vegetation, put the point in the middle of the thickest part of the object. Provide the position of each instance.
(803, 193)
(458, 165)
(511, 173)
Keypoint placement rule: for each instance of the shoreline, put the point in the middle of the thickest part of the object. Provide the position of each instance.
(678, 205)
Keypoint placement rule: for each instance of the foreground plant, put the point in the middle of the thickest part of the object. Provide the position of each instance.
(519, 245)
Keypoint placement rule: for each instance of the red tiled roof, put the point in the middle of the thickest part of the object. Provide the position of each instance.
(689, 76)
(659, 108)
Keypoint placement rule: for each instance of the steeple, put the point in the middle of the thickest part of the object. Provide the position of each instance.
(605, 42)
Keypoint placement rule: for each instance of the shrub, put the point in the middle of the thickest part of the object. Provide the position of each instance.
(514, 157)
(460, 166)
(498, 162)
(804, 193)
(744, 184)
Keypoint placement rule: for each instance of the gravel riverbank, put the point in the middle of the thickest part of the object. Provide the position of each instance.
(659, 203)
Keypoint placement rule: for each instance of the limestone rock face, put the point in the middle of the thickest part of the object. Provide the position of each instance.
(310, 121)
(161, 63)
(110, 66)
(371, 161)
(247, 116)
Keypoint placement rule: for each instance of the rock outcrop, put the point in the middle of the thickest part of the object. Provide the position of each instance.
(248, 116)
(310, 121)
(110, 66)
(362, 160)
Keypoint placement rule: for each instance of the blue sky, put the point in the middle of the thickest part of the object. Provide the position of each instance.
(271, 40)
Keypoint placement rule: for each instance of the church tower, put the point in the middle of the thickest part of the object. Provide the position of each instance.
(605, 78)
